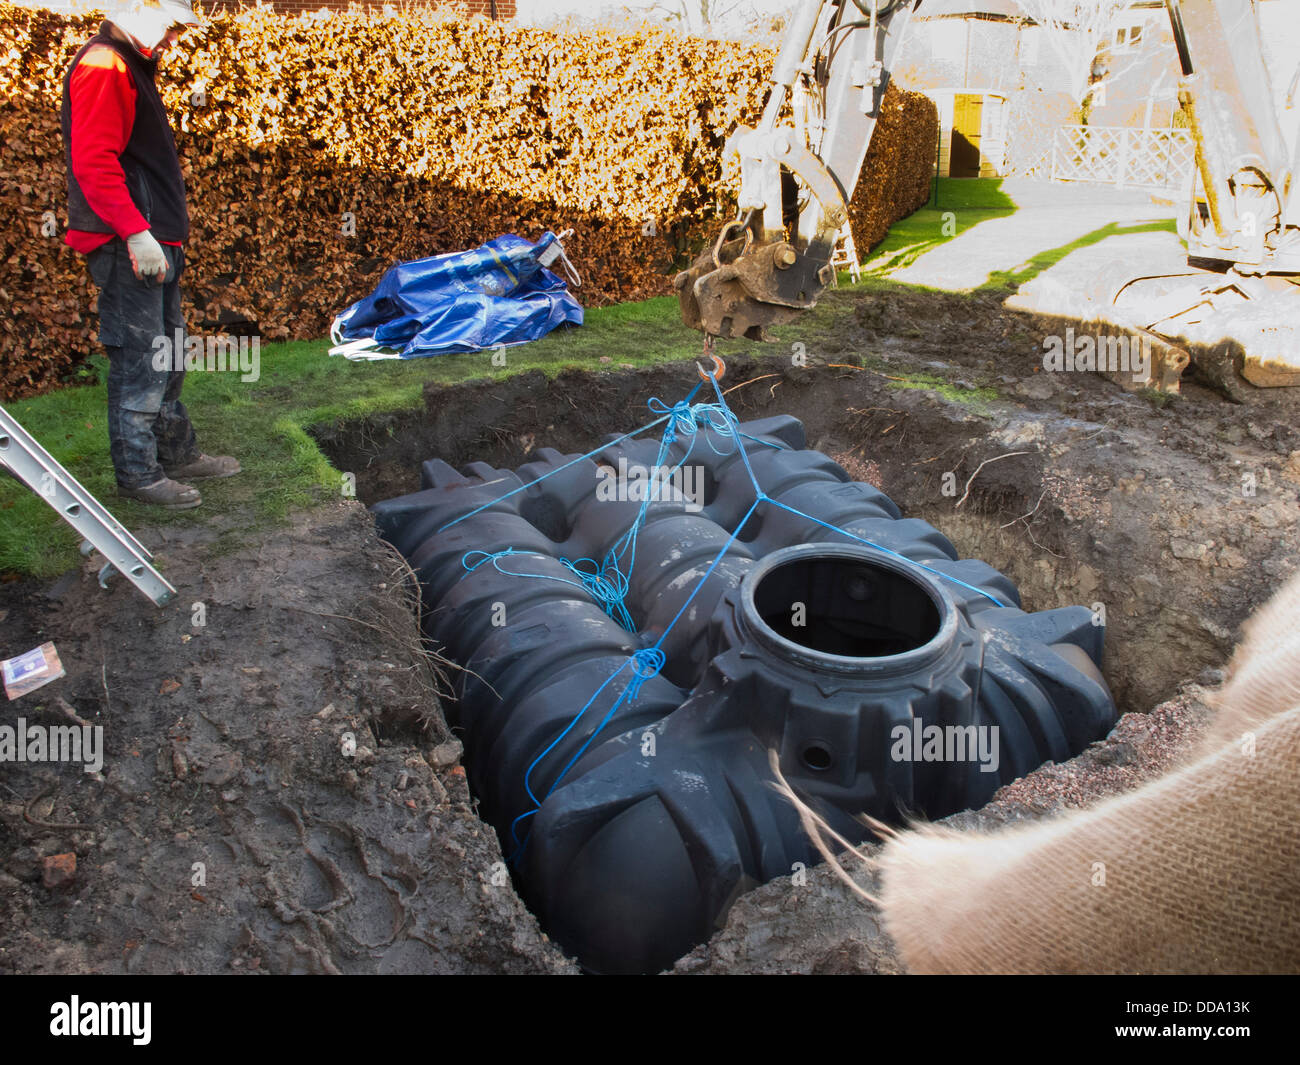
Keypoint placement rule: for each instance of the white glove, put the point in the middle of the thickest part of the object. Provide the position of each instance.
(146, 255)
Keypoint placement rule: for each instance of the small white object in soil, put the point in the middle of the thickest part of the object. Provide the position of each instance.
(35, 669)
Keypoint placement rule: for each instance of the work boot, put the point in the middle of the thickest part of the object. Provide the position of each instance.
(165, 493)
(206, 466)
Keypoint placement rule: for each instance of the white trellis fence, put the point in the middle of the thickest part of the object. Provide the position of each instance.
(1123, 156)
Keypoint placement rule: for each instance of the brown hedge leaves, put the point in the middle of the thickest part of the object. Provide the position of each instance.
(319, 149)
(896, 175)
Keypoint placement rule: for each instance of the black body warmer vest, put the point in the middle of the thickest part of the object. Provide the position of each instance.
(150, 162)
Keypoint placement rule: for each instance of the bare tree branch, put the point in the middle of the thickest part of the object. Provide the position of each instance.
(1078, 31)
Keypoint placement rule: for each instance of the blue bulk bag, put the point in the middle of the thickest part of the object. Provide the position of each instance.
(499, 293)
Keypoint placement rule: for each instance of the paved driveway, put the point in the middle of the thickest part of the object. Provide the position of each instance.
(1056, 228)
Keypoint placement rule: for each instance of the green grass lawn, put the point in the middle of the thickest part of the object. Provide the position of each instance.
(958, 204)
(264, 423)
(961, 204)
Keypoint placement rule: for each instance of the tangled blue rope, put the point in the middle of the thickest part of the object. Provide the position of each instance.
(645, 663)
(685, 418)
(609, 580)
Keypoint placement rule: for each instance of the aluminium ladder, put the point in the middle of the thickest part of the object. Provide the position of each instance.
(23, 456)
(846, 255)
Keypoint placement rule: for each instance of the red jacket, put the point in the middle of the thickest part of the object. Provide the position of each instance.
(102, 98)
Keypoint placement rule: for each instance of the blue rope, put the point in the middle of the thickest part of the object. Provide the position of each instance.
(888, 551)
(608, 581)
(621, 556)
(764, 497)
(552, 473)
(686, 418)
(608, 587)
(645, 663)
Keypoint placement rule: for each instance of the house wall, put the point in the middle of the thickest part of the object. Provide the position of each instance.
(1140, 76)
(504, 8)
(1032, 118)
(1008, 56)
(1003, 55)
(994, 55)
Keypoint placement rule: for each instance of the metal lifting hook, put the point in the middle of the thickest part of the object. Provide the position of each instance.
(719, 367)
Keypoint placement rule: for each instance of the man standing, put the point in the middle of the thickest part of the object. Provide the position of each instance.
(127, 215)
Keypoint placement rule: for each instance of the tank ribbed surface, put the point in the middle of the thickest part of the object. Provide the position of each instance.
(834, 654)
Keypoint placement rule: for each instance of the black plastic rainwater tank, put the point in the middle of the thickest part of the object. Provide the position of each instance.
(843, 658)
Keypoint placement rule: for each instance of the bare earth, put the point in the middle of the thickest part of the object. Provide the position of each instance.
(233, 829)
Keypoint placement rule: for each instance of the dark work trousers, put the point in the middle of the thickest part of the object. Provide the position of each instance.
(148, 426)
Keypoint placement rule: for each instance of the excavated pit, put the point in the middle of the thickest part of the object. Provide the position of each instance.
(1177, 517)
(1063, 502)
(1068, 505)
(647, 802)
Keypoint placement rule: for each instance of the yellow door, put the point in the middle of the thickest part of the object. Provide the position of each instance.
(964, 155)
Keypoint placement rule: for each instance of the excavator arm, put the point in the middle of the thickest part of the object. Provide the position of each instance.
(799, 167)
(1241, 209)
(1236, 303)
